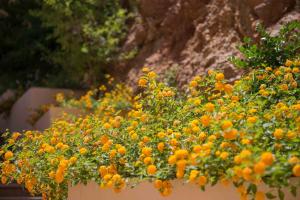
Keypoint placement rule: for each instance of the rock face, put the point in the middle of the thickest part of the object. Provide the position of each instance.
(188, 37)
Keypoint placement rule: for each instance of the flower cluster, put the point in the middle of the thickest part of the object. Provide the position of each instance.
(246, 133)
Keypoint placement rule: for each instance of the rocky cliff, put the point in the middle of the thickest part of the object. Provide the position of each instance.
(187, 37)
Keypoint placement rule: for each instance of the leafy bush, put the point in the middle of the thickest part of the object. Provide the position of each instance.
(24, 47)
(89, 33)
(59, 43)
(270, 51)
(217, 133)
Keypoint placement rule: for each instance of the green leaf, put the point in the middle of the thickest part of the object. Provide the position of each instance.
(293, 190)
(270, 195)
(281, 194)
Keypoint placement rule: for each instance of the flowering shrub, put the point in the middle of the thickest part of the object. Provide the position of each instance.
(244, 133)
(106, 99)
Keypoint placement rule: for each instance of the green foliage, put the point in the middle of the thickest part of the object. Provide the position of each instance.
(270, 50)
(24, 48)
(89, 33)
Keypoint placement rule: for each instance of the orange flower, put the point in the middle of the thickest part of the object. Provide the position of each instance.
(158, 184)
(226, 124)
(205, 120)
(278, 133)
(247, 173)
(147, 151)
(181, 153)
(151, 169)
(193, 83)
(228, 88)
(267, 158)
(197, 149)
(202, 180)
(296, 170)
(122, 150)
(8, 155)
(142, 82)
(259, 168)
(230, 135)
(259, 196)
(160, 146)
(148, 160)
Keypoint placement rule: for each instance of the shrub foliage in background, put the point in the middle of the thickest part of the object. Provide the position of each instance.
(270, 50)
(89, 34)
(59, 43)
(24, 47)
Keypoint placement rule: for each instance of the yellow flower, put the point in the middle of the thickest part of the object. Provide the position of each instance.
(193, 84)
(15, 135)
(73, 159)
(82, 151)
(294, 160)
(224, 155)
(252, 119)
(151, 75)
(209, 107)
(288, 63)
(145, 69)
(172, 160)
(107, 126)
(219, 76)
(181, 154)
(193, 175)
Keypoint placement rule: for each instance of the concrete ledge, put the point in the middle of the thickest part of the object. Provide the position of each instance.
(53, 114)
(146, 191)
(31, 100)
(4, 122)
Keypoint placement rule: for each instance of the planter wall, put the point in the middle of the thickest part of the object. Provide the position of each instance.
(4, 122)
(146, 191)
(53, 114)
(32, 99)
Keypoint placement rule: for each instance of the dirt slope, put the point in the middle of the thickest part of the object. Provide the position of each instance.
(181, 38)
